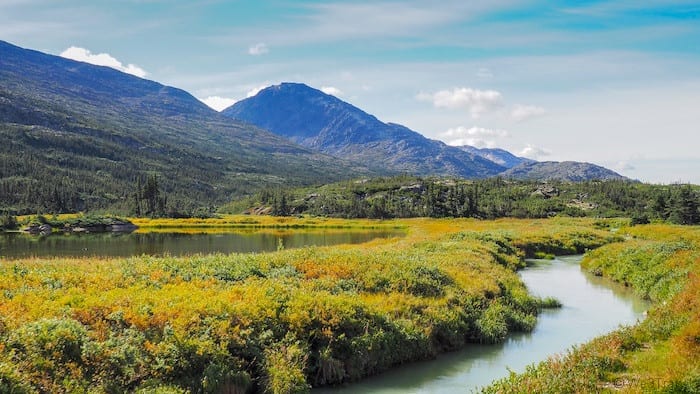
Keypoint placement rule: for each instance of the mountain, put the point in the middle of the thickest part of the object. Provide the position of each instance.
(496, 155)
(561, 171)
(79, 136)
(323, 122)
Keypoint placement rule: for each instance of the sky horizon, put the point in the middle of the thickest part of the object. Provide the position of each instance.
(614, 83)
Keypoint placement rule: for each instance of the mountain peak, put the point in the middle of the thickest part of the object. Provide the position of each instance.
(295, 86)
(326, 123)
(298, 90)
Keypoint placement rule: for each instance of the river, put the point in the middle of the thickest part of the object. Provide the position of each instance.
(591, 306)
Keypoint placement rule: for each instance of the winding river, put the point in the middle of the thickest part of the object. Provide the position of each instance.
(592, 306)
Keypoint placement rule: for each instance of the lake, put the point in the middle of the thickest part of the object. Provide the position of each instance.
(17, 245)
(591, 306)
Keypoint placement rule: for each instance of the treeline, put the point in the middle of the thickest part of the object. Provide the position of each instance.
(404, 197)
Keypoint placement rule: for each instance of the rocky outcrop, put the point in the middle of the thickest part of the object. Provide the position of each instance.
(87, 226)
(119, 226)
(42, 229)
(546, 191)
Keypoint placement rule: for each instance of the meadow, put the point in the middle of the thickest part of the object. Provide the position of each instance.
(295, 319)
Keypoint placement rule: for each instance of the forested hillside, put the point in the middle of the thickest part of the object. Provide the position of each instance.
(405, 196)
(82, 137)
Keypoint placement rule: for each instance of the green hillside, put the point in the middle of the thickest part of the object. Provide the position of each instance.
(83, 137)
(408, 196)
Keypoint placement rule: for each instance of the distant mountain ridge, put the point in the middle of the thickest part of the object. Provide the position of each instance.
(79, 136)
(323, 122)
(497, 155)
(562, 171)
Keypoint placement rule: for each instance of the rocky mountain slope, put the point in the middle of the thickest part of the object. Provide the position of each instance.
(562, 171)
(498, 156)
(323, 122)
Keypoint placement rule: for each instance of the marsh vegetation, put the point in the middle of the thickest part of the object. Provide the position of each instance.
(289, 320)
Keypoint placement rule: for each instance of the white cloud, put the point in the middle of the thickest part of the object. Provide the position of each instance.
(218, 103)
(475, 136)
(102, 59)
(476, 101)
(332, 90)
(523, 112)
(533, 152)
(252, 92)
(475, 142)
(474, 131)
(624, 166)
(258, 49)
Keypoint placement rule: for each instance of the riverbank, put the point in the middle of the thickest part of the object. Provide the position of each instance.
(73, 223)
(660, 354)
(258, 222)
(579, 320)
(281, 321)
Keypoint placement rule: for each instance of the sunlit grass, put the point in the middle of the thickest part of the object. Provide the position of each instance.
(248, 221)
(262, 321)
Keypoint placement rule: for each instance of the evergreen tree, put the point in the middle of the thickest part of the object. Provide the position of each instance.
(684, 208)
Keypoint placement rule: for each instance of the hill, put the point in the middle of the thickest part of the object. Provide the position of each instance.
(323, 122)
(499, 156)
(79, 137)
(409, 196)
(562, 171)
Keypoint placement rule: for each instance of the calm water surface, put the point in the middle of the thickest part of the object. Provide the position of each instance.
(15, 245)
(592, 306)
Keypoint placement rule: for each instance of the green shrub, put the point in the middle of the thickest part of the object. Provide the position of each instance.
(12, 382)
(8, 222)
(285, 366)
(492, 325)
(49, 342)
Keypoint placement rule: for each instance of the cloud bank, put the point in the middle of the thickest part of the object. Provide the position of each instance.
(218, 103)
(475, 101)
(533, 152)
(332, 90)
(102, 59)
(523, 112)
(478, 137)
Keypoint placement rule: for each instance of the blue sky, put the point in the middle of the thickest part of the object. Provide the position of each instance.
(616, 83)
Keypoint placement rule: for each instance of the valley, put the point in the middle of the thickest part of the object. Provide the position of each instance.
(294, 242)
(289, 320)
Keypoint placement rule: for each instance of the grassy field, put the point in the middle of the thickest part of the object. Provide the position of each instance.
(285, 321)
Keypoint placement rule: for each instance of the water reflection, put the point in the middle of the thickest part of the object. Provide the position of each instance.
(14, 245)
